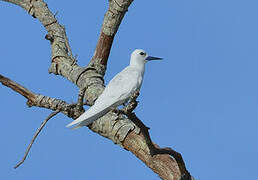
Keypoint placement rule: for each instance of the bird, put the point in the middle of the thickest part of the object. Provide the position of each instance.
(119, 90)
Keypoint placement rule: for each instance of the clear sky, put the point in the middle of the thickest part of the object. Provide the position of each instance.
(202, 100)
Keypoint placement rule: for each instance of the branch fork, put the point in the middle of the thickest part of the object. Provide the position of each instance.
(120, 129)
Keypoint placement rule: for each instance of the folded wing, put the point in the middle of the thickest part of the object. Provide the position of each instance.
(117, 92)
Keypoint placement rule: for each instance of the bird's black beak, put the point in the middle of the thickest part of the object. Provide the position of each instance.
(150, 58)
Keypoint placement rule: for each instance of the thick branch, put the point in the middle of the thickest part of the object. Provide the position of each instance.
(153, 148)
(153, 152)
(111, 22)
(63, 63)
(163, 165)
(116, 127)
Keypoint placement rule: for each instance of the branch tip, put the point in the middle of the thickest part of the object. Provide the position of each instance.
(35, 136)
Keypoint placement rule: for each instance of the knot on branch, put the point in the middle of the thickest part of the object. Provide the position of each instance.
(50, 38)
(73, 111)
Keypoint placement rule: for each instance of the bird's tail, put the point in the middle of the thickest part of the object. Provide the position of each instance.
(88, 117)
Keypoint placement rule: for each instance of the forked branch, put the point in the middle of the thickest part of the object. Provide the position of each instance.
(119, 129)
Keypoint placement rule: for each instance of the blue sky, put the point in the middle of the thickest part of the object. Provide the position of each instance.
(202, 100)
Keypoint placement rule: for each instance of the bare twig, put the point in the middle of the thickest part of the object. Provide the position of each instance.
(18, 88)
(35, 136)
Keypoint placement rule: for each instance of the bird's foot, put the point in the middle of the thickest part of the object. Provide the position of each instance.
(117, 111)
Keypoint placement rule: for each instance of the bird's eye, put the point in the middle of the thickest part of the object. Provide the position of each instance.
(142, 53)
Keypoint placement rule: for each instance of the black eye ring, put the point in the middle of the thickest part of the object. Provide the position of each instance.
(142, 53)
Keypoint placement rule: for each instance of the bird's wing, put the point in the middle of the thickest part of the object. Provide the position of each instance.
(95, 112)
(118, 90)
(123, 85)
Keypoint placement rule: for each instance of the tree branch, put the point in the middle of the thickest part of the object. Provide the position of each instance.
(18, 88)
(35, 136)
(111, 23)
(153, 148)
(114, 126)
(42, 101)
(62, 63)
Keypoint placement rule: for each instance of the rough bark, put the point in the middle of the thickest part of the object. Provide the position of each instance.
(113, 126)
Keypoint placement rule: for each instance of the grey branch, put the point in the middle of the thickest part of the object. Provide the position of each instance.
(113, 126)
(42, 101)
(35, 136)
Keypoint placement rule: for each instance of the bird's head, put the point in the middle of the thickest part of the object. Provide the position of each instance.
(140, 57)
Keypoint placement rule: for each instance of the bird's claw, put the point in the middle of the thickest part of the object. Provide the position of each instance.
(116, 111)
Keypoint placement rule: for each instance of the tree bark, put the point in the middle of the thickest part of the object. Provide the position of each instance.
(114, 126)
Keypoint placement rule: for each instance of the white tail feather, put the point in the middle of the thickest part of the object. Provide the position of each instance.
(89, 116)
(88, 121)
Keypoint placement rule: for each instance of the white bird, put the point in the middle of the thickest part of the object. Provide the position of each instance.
(119, 89)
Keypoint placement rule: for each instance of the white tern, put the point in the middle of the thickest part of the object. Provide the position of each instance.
(119, 89)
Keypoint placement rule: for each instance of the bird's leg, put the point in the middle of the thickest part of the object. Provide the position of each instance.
(135, 95)
(132, 104)
(117, 111)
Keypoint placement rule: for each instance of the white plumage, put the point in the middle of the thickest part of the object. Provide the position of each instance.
(119, 89)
